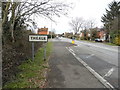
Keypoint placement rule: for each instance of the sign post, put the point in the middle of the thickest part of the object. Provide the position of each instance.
(38, 38)
(33, 50)
(44, 51)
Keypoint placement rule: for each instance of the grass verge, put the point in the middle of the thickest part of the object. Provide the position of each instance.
(33, 73)
(107, 43)
(111, 44)
(88, 41)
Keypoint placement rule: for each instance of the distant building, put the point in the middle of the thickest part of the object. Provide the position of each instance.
(83, 33)
(102, 34)
(66, 34)
(43, 31)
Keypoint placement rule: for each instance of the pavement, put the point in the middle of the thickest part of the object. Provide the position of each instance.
(67, 72)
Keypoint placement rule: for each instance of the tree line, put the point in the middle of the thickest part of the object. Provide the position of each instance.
(16, 18)
(111, 21)
(111, 24)
(16, 14)
(79, 24)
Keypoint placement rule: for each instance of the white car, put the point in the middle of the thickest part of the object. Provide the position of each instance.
(98, 40)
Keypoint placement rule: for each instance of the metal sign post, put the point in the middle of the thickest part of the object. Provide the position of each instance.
(44, 51)
(38, 38)
(33, 54)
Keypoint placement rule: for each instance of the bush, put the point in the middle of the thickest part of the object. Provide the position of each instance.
(15, 53)
(70, 36)
(82, 38)
(49, 36)
(117, 40)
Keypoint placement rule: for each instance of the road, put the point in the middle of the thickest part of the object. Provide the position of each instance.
(100, 57)
(66, 71)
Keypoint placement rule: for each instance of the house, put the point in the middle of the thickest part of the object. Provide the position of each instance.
(43, 31)
(68, 34)
(84, 35)
(101, 34)
(96, 33)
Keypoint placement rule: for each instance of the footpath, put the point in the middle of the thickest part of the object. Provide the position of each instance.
(67, 72)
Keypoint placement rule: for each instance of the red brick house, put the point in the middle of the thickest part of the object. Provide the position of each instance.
(100, 33)
(43, 31)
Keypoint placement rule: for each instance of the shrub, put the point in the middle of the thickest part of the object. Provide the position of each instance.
(82, 38)
(49, 36)
(117, 40)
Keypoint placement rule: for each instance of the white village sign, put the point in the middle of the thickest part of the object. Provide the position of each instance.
(38, 38)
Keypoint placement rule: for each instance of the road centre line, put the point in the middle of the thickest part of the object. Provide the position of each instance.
(100, 78)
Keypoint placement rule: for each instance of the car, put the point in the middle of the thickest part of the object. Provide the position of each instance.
(98, 40)
(57, 37)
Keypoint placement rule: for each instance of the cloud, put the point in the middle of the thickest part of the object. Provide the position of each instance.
(87, 9)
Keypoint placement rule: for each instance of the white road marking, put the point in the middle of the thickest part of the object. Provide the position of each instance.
(71, 50)
(100, 78)
(90, 56)
(109, 72)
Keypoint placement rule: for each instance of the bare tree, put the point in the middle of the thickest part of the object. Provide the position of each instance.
(87, 27)
(76, 24)
(91, 25)
(21, 12)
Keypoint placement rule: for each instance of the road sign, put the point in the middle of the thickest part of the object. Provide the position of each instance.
(38, 38)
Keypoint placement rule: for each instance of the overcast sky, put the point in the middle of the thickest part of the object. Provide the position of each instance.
(87, 9)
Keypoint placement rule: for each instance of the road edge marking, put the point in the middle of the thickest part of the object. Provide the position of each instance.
(100, 78)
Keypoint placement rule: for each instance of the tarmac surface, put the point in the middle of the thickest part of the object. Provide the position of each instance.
(102, 58)
(67, 72)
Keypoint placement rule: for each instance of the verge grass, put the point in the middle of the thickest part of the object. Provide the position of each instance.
(112, 44)
(32, 73)
(107, 43)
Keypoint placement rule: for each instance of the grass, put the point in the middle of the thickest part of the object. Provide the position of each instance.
(107, 43)
(89, 41)
(32, 73)
(111, 44)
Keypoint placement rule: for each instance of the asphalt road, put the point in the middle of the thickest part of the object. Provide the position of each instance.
(100, 57)
(66, 71)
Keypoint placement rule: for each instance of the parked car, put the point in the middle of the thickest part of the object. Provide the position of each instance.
(57, 37)
(98, 40)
